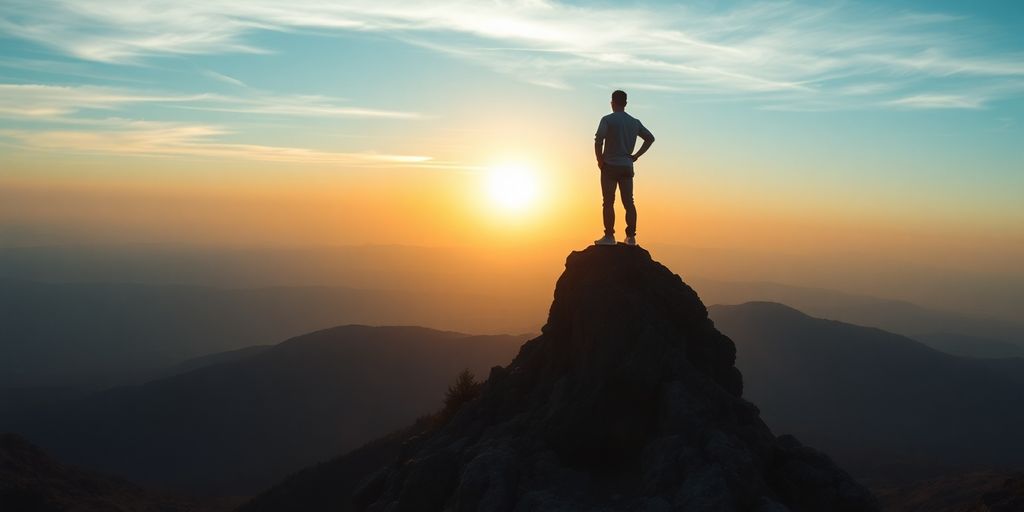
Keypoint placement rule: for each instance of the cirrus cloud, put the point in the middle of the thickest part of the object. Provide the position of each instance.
(827, 55)
(54, 102)
(145, 138)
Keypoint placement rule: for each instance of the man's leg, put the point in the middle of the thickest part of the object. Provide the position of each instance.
(608, 182)
(626, 190)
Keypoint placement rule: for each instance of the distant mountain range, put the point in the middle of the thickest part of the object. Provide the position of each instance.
(894, 410)
(65, 338)
(524, 279)
(957, 334)
(223, 412)
(236, 426)
(882, 404)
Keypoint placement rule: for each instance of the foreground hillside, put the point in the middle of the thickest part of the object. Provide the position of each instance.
(238, 426)
(987, 491)
(629, 400)
(32, 481)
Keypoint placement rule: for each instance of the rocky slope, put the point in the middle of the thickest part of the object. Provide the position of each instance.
(984, 491)
(628, 400)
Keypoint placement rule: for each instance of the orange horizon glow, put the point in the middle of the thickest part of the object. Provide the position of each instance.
(435, 208)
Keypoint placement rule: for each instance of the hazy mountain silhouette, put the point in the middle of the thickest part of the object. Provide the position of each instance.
(92, 336)
(629, 400)
(970, 346)
(521, 280)
(217, 358)
(972, 291)
(32, 481)
(477, 290)
(62, 339)
(880, 403)
(238, 426)
(957, 334)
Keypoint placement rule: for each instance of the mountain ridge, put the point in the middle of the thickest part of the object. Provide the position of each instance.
(236, 427)
(884, 405)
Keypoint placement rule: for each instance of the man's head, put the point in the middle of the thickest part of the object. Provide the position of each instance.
(618, 101)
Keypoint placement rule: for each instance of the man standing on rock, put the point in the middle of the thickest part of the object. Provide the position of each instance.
(613, 145)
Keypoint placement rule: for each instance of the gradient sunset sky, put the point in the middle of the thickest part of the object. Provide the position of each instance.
(893, 127)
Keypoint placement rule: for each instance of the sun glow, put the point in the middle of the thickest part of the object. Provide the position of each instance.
(512, 187)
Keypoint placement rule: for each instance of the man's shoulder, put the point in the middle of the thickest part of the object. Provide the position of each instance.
(618, 117)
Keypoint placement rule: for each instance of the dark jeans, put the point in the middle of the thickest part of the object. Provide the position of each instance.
(612, 176)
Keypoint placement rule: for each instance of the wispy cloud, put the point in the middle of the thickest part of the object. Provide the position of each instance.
(294, 105)
(55, 103)
(193, 140)
(91, 113)
(220, 77)
(825, 54)
(937, 101)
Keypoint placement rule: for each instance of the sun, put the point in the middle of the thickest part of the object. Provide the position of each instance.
(512, 187)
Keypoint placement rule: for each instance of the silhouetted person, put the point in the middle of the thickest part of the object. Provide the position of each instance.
(613, 145)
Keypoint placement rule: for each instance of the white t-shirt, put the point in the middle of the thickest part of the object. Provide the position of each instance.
(619, 131)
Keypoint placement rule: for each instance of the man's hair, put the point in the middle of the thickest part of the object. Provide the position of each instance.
(619, 97)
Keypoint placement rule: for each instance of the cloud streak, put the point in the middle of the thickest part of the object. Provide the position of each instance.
(142, 138)
(826, 55)
(53, 101)
(87, 109)
(56, 103)
(220, 77)
(937, 101)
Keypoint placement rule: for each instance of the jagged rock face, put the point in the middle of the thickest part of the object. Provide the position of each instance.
(628, 400)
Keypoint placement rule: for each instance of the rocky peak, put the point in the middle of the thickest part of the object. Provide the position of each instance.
(628, 400)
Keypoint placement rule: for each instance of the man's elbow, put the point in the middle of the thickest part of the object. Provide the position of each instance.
(649, 139)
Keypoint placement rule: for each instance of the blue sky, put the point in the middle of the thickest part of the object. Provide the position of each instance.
(894, 103)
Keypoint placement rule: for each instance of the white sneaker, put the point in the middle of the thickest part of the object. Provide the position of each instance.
(631, 240)
(605, 240)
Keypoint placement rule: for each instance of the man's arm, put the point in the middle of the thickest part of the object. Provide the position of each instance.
(648, 138)
(599, 152)
(643, 148)
(602, 131)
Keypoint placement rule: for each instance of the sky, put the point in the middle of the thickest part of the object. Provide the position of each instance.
(854, 128)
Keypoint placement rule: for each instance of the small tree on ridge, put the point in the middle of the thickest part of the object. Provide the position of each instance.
(465, 389)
